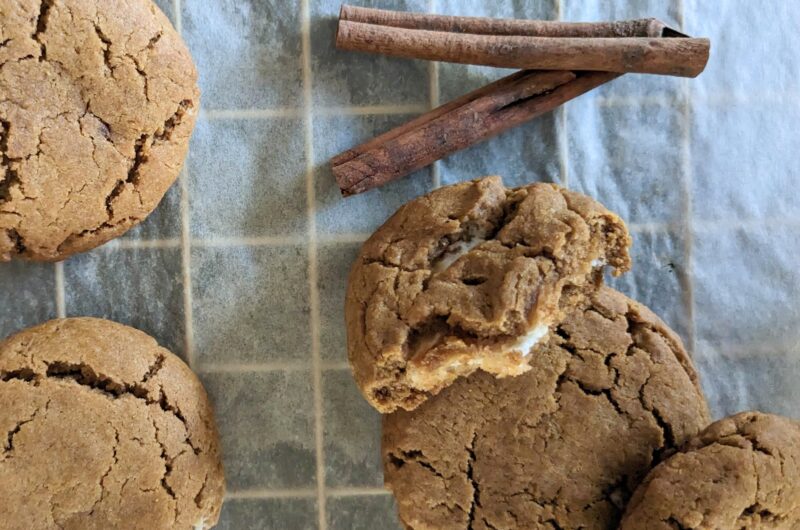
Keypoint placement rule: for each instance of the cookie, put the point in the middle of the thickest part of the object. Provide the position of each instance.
(97, 103)
(564, 445)
(742, 472)
(105, 429)
(469, 277)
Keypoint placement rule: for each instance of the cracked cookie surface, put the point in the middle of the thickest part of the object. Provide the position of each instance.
(741, 473)
(470, 277)
(102, 428)
(562, 446)
(97, 103)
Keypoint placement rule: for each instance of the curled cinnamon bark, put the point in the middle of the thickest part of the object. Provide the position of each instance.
(475, 117)
(645, 27)
(679, 56)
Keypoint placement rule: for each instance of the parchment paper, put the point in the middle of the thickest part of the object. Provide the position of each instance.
(242, 268)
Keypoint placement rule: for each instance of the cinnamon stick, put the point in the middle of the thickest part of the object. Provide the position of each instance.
(468, 120)
(685, 57)
(646, 27)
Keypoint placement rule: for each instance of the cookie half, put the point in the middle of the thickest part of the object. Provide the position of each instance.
(97, 103)
(564, 445)
(742, 472)
(105, 429)
(470, 277)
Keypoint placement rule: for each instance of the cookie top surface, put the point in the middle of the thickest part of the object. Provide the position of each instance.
(742, 472)
(562, 446)
(469, 277)
(97, 104)
(105, 429)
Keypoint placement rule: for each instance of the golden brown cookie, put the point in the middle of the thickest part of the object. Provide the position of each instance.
(97, 103)
(102, 428)
(741, 473)
(469, 277)
(564, 445)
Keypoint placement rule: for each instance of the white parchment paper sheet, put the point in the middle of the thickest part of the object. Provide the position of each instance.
(242, 268)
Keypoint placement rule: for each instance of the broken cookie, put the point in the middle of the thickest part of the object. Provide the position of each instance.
(470, 277)
(610, 393)
(105, 429)
(741, 473)
(97, 103)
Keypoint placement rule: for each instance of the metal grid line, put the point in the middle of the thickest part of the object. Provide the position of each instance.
(563, 145)
(298, 112)
(271, 366)
(61, 304)
(357, 492)
(258, 114)
(561, 125)
(186, 273)
(319, 442)
(135, 244)
(368, 110)
(223, 242)
(433, 94)
(664, 100)
(686, 278)
(304, 493)
(243, 368)
(735, 349)
(185, 241)
(176, 6)
(335, 365)
(262, 241)
(344, 238)
(698, 226)
(433, 74)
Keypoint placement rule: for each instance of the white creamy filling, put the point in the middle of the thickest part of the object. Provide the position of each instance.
(456, 365)
(526, 342)
(200, 524)
(597, 262)
(454, 252)
(461, 363)
(524, 345)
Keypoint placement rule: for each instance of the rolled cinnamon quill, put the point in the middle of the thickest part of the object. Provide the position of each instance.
(465, 121)
(643, 46)
(644, 27)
